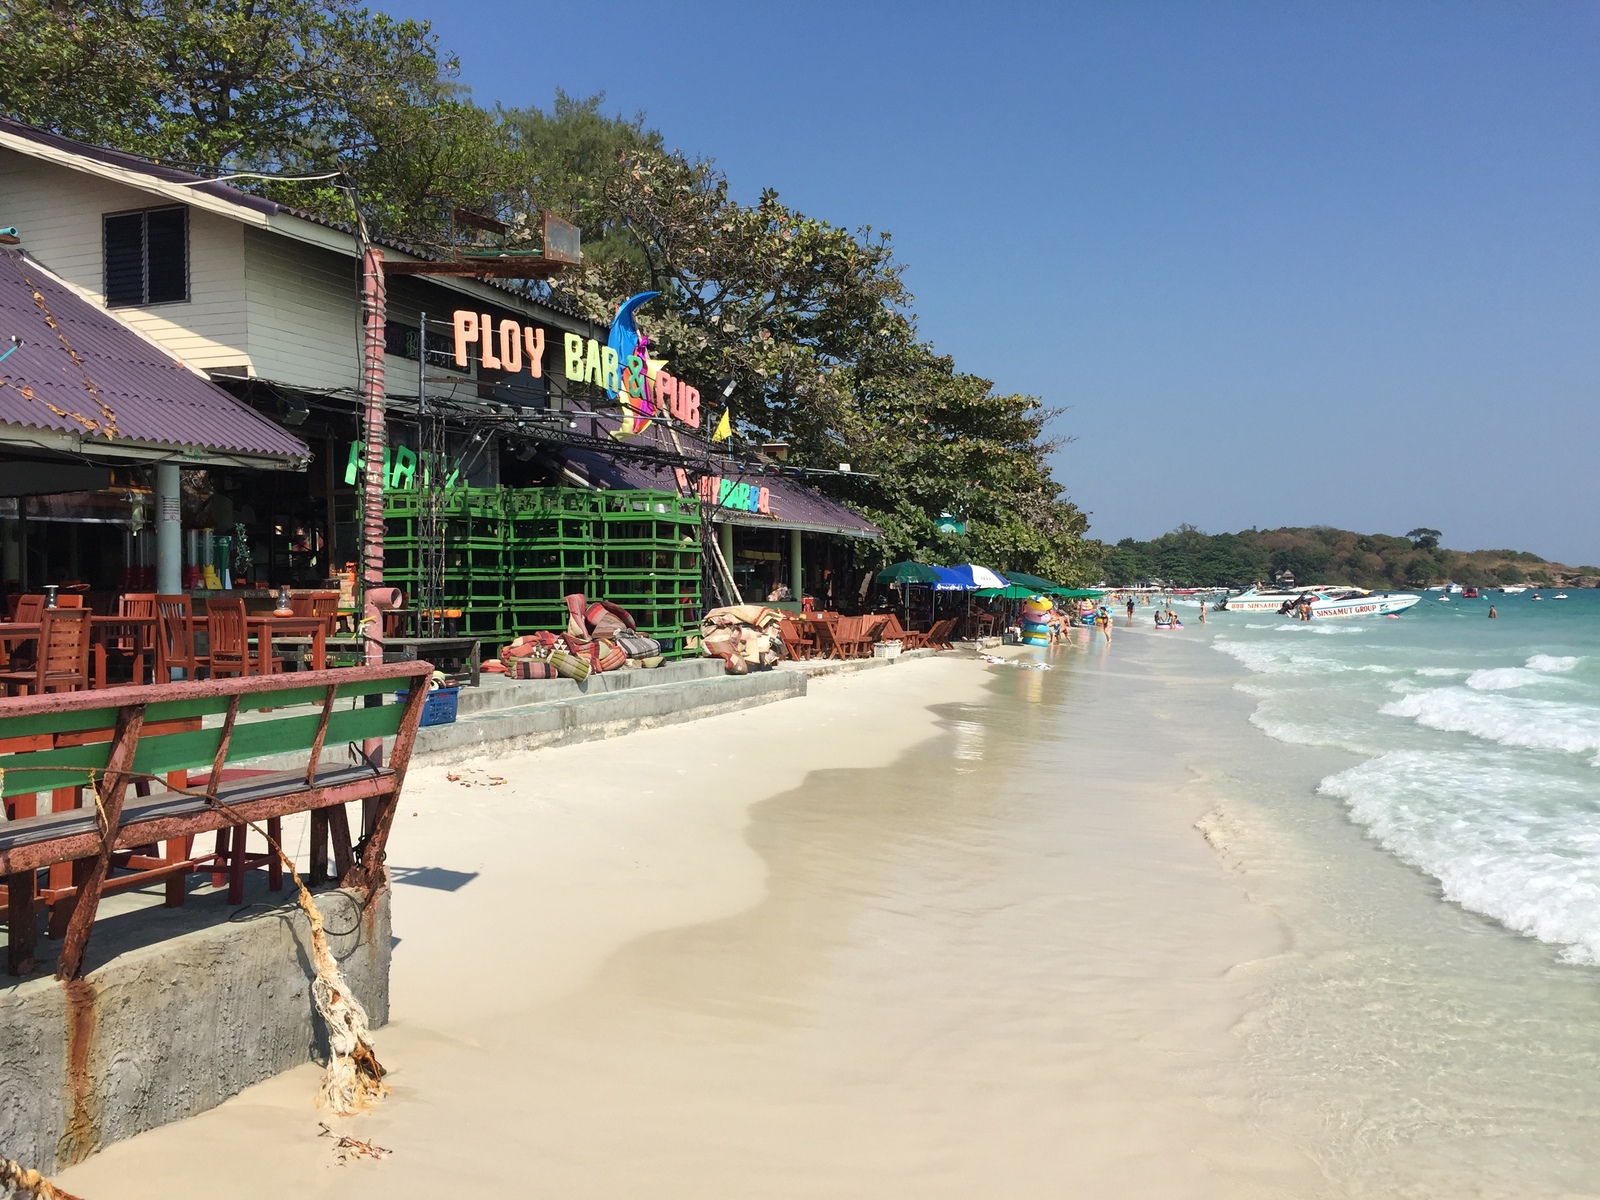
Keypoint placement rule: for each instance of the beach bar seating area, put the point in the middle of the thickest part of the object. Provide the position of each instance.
(110, 789)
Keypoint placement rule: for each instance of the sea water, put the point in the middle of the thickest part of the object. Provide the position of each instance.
(1480, 742)
(1424, 816)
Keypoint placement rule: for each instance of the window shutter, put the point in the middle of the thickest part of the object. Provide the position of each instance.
(167, 250)
(124, 259)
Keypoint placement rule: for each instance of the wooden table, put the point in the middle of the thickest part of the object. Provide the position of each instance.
(266, 625)
(269, 625)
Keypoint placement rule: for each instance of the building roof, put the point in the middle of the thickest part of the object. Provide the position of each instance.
(793, 505)
(82, 380)
(177, 184)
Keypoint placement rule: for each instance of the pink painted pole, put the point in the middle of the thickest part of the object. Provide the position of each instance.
(374, 308)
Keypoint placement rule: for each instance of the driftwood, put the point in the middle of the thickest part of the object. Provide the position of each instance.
(18, 1180)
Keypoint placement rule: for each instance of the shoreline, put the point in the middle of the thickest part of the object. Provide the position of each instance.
(940, 931)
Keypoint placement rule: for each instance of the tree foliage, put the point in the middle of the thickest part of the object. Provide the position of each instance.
(1315, 555)
(812, 322)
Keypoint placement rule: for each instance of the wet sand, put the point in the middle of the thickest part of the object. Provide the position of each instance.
(941, 930)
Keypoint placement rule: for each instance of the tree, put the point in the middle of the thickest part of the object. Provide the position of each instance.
(1509, 573)
(269, 86)
(1424, 539)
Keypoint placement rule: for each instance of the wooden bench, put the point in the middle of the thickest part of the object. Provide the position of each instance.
(120, 740)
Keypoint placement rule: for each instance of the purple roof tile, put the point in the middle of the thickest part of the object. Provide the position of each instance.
(81, 370)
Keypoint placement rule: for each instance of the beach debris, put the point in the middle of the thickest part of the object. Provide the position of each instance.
(1024, 664)
(18, 1180)
(353, 1079)
(346, 1148)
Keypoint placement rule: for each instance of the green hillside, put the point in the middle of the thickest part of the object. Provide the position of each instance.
(1188, 557)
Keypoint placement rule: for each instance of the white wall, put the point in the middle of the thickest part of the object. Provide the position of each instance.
(58, 214)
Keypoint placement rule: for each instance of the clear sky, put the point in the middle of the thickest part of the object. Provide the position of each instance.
(1283, 263)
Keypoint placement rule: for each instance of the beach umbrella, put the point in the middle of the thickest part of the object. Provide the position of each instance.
(974, 576)
(906, 573)
(1032, 581)
(1011, 591)
(1075, 593)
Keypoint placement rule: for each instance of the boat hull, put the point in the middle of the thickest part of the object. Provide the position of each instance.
(1363, 606)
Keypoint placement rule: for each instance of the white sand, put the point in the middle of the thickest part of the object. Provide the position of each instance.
(999, 969)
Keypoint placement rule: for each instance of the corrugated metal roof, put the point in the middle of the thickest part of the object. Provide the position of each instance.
(793, 504)
(80, 370)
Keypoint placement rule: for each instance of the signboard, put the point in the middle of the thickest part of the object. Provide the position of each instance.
(562, 241)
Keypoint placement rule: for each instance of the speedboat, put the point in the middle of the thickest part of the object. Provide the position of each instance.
(1470, 594)
(1254, 599)
(1353, 602)
(1561, 596)
(1454, 589)
(1513, 589)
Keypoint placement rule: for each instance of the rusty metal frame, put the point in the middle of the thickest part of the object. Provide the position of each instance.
(92, 851)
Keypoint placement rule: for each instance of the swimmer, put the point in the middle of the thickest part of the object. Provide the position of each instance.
(1492, 613)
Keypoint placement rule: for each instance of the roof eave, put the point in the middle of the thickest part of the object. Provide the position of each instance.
(88, 446)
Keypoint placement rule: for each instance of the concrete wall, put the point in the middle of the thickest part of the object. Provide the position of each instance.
(161, 1032)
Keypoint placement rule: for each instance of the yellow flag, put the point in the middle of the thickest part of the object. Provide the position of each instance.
(724, 428)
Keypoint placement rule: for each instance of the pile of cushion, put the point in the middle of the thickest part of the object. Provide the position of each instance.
(743, 636)
(599, 637)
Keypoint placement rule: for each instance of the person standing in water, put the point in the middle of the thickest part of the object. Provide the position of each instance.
(1492, 613)
(1130, 610)
(1103, 620)
(1202, 612)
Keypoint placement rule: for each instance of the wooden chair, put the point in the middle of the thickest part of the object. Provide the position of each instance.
(317, 604)
(938, 637)
(795, 643)
(139, 642)
(893, 631)
(823, 643)
(70, 600)
(229, 638)
(26, 612)
(849, 634)
(175, 650)
(62, 662)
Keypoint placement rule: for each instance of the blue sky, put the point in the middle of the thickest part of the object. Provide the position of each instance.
(1281, 263)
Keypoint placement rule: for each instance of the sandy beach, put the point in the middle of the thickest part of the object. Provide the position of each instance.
(887, 939)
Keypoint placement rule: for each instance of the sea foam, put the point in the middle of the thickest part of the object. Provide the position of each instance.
(1506, 720)
(1528, 857)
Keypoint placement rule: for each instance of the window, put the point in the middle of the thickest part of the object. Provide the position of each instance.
(147, 257)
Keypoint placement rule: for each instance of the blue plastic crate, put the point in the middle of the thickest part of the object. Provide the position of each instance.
(440, 706)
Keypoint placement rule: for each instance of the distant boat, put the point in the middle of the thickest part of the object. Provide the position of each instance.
(1536, 596)
(1513, 589)
(1453, 589)
(1470, 594)
(1561, 595)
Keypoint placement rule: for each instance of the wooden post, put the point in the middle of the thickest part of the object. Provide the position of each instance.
(22, 922)
(113, 787)
(371, 873)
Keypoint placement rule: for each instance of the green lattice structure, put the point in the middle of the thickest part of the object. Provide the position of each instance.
(512, 554)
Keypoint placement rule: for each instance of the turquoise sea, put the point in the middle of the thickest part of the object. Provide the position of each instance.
(1480, 742)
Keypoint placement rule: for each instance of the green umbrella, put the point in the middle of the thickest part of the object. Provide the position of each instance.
(1014, 592)
(907, 572)
(1075, 593)
(1032, 581)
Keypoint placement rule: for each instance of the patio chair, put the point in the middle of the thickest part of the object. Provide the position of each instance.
(823, 642)
(230, 642)
(795, 643)
(21, 656)
(938, 638)
(139, 642)
(850, 636)
(62, 662)
(317, 604)
(175, 649)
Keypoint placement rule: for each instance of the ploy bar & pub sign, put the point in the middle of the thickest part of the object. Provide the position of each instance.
(510, 346)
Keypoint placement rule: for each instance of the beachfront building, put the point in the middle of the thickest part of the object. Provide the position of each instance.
(265, 301)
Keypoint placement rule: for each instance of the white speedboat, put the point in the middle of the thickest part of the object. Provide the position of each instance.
(1355, 603)
(1561, 596)
(1254, 599)
(1513, 589)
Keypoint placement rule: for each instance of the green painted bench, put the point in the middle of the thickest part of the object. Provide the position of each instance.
(94, 782)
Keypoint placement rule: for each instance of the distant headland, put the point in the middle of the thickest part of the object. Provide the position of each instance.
(1319, 554)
